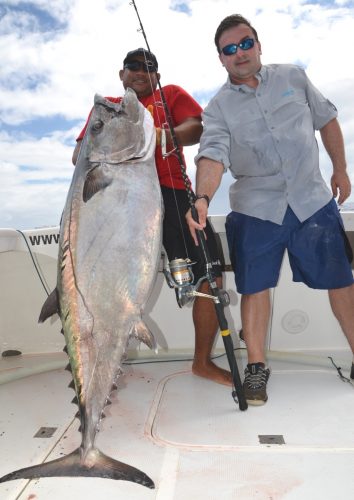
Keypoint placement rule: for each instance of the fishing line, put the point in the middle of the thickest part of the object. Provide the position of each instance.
(175, 360)
(46, 288)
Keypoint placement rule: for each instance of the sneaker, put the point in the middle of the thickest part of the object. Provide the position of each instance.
(255, 383)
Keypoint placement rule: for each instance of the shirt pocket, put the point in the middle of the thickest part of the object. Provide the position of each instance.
(290, 107)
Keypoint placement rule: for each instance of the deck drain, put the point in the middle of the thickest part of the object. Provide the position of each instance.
(45, 432)
(271, 439)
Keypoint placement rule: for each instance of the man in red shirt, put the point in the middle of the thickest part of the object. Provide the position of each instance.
(140, 74)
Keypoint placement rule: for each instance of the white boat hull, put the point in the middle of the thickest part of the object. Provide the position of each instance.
(301, 318)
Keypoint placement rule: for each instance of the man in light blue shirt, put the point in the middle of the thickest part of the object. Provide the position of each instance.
(261, 125)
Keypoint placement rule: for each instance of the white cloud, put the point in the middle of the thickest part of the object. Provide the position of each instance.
(56, 71)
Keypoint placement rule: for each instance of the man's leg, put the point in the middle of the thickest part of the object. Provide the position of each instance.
(206, 327)
(255, 314)
(342, 303)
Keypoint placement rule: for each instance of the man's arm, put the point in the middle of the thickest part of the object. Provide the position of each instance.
(208, 178)
(332, 139)
(187, 133)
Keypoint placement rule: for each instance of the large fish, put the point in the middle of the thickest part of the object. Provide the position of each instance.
(109, 250)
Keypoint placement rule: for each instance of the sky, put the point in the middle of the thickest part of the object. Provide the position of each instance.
(57, 54)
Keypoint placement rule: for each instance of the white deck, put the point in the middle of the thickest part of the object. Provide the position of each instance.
(188, 434)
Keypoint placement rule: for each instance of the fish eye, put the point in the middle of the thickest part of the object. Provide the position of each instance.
(97, 125)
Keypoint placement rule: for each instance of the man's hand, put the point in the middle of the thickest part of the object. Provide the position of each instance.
(340, 182)
(158, 136)
(201, 207)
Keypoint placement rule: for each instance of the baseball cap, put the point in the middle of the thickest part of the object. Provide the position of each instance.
(141, 52)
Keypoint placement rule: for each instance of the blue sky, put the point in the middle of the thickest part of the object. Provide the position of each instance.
(56, 55)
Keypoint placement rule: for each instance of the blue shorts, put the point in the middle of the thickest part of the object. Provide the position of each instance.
(318, 248)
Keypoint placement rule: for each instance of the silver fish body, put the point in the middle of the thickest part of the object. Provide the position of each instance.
(110, 247)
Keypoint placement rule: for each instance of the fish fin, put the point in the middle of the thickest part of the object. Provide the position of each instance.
(142, 333)
(50, 307)
(95, 181)
(96, 464)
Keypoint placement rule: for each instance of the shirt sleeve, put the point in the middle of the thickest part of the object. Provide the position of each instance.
(322, 110)
(181, 104)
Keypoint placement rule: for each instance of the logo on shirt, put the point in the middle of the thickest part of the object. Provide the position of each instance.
(288, 93)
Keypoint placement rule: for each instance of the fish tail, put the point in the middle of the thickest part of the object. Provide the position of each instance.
(96, 464)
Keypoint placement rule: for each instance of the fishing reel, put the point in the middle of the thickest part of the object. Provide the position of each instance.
(179, 275)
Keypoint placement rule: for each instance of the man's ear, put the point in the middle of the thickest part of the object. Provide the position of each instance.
(158, 76)
(121, 74)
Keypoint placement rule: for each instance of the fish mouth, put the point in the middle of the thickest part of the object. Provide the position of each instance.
(102, 162)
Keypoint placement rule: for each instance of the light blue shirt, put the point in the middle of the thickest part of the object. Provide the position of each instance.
(266, 137)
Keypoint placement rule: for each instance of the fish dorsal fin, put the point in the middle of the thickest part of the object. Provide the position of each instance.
(95, 181)
(142, 333)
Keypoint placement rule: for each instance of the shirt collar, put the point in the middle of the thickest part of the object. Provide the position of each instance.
(261, 75)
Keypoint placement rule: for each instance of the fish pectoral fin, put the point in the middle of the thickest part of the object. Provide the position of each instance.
(50, 307)
(142, 333)
(96, 180)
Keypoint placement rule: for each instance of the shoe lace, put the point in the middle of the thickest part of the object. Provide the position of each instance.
(256, 380)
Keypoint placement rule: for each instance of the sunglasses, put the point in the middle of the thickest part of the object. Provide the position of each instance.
(148, 67)
(246, 44)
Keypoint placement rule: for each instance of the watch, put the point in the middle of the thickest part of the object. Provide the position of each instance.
(205, 196)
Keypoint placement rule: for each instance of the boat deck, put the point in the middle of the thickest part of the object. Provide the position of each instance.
(185, 432)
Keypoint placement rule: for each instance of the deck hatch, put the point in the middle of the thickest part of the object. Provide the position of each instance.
(271, 439)
(45, 432)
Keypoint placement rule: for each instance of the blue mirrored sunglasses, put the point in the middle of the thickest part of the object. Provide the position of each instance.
(148, 67)
(246, 44)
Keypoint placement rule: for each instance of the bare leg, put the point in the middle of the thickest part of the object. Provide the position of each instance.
(206, 327)
(342, 303)
(255, 314)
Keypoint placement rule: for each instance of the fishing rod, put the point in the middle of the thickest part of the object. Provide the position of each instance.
(178, 272)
